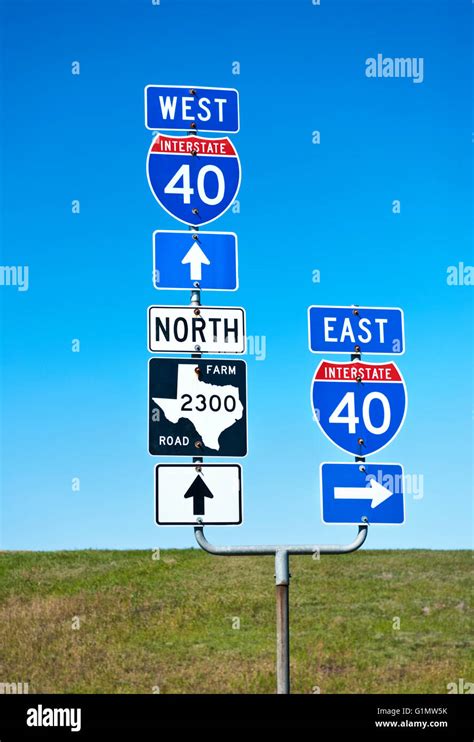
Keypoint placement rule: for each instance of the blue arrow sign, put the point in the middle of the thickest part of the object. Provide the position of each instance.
(368, 330)
(359, 406)
(178, 107)
(182, 258)
(351, 492)
(195, 179)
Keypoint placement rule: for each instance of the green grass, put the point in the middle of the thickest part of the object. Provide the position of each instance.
(169, 622)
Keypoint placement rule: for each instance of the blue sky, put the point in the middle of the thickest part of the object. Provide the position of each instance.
(304, 207)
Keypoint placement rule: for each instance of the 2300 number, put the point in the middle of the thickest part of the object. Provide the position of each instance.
(213, 403)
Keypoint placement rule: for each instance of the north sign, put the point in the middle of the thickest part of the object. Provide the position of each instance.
(183, 107)
(369, 330)
(188, 329)
(197, 407)
(195, 179)
(198, 494)
(359, 406)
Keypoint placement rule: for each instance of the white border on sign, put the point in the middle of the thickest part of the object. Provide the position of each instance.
(360, 463)
(186, 155)
(363, 352)
(191, 308)
(187, 455)
(200, 233)
(335, 381)
(195, 87)
(187, 525)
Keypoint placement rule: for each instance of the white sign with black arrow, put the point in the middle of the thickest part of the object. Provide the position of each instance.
(192, 494)
(188, 329)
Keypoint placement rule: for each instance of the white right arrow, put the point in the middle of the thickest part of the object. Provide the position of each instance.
(195, 257)
(376, 492)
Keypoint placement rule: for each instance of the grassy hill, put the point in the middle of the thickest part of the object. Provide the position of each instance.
(172, 622)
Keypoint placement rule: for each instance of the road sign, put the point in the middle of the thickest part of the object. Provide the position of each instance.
(369, 330)
(350, 492)
(175, 107)
(189, 493)
(174, 329)
(197, 407)
(180, 259)
(195, 179)
(359, 406)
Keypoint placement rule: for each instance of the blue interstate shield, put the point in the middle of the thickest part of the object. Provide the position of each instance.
(195, 179)
(359, 406)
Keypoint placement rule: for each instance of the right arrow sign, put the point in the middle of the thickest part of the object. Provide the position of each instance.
(352, 492)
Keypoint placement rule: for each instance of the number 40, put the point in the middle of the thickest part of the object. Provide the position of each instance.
(351, 418)
(185, 189)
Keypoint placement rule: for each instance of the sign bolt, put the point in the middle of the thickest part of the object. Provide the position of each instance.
(193, 125)
(192, 92)
(195, 236)
(198, 444)
(358, 379)
(356, 348)
(195, 211)
(198, 468)
(197, 311)
(356, 312)
(197, 347)
(360, 441)
(362, 468)
(197, 371)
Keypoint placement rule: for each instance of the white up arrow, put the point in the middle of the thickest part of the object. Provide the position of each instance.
(195, 257)
(376, 492)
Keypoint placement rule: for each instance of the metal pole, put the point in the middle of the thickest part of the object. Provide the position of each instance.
(195, 301)
(357, 356)
(282, 586)
(282, 582)
(271, 549)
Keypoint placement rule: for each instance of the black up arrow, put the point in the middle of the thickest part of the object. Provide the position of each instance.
(198, 491)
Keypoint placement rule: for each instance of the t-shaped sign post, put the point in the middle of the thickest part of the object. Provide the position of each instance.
(282, 581)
